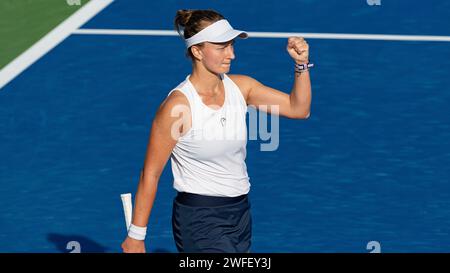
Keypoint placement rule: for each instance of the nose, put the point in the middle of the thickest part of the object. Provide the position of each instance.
(230, 52)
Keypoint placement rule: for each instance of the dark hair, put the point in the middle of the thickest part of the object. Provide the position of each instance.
(193, 21)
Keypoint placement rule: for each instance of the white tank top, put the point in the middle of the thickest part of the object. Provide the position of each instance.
(210, 158)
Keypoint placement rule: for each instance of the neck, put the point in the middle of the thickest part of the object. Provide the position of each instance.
(205, 81)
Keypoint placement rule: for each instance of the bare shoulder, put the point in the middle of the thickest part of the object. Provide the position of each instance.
(174, 112)
(244, 82)
(174, 100)
(172, 107)
(177, 97)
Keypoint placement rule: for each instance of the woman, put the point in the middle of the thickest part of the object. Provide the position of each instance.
(211, 212)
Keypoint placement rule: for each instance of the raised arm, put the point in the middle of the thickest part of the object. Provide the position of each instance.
(169, 123)
(295, 105)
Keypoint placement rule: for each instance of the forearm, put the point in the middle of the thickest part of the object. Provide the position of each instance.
(300, 97)
(145, 197)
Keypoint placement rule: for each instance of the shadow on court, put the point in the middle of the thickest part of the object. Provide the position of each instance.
(160, 250)
(75, 244)
(82, 244)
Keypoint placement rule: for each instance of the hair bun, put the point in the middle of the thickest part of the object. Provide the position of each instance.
(183, 16)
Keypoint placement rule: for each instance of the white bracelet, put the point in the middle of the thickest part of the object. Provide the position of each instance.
(137, 233)
(300, 68)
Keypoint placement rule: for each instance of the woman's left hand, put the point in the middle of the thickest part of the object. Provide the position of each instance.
(298, 48)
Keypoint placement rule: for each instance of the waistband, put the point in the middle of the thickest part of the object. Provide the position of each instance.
(198, 200)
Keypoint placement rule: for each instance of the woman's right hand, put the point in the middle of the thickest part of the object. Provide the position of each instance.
(131, 245)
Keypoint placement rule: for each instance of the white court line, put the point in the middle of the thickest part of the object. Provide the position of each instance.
(126, 32)
(51, 39)
(343, 36)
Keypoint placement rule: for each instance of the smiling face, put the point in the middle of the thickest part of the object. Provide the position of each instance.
(215, 57)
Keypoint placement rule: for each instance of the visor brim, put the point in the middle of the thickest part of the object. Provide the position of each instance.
(229, 35)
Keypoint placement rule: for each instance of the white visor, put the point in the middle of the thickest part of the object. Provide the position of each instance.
(219, 32)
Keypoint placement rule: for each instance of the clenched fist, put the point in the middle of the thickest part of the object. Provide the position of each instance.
(298, 48)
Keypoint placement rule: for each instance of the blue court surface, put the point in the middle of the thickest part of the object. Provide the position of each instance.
(372, 163)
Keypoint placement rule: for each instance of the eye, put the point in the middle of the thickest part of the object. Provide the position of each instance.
(229, 45)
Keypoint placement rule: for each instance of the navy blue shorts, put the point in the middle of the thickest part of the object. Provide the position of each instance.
(209, 224)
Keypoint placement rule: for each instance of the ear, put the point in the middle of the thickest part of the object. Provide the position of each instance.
(198, 54)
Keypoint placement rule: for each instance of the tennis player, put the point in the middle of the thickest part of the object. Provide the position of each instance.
(201, 126)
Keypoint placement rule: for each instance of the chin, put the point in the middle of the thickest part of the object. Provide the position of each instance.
(221, 70)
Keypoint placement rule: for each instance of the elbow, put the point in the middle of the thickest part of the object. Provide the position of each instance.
(304, 116)
(301, 111)
(301, 115)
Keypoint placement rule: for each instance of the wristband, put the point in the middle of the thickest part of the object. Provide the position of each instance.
(299, 68)
(137, 233)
